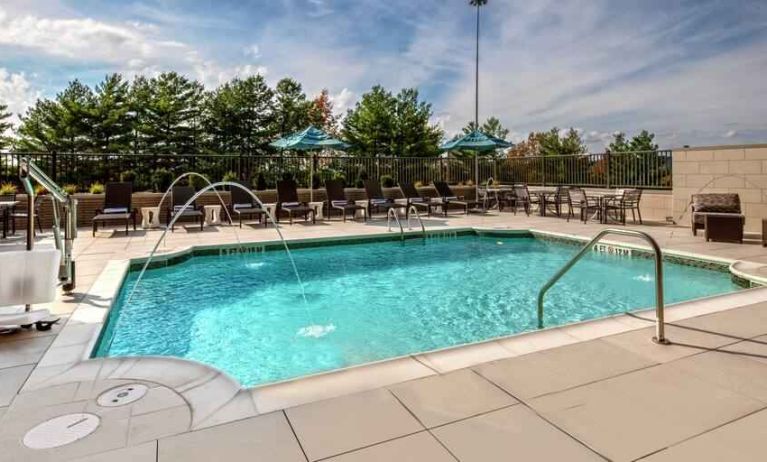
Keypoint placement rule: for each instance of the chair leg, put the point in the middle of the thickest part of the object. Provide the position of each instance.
(95, 228)
(39, 224)
(640, 215)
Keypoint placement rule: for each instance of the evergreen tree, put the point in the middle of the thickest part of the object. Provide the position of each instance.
(169, 121)
(619, 143)
(73, 126)
(5, 126)
(291, 107)
(492, 126)
(111, 124)
(382, 124)
(239, 115)
(642, 142)
(37, 131)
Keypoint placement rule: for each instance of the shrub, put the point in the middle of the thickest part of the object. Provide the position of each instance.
(259, 182)
(230, 176)
(387, 181)
(40, 190)
(161, 179)
(418, 184)
(362, 175)
(196, 182)
(128, 176)
(70, 188)
(8, 188)
(96, 188)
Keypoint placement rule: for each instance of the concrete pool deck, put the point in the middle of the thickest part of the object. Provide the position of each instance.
(592, 391)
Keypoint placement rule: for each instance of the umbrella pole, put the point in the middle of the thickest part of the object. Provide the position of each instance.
(311, 179)
(476, 175)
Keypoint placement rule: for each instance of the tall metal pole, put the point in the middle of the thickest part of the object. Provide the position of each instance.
(476, 109)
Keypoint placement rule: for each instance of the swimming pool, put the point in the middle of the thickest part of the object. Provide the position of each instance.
(245, 313)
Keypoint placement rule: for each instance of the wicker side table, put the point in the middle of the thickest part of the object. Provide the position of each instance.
(723, 227)
(764, 232)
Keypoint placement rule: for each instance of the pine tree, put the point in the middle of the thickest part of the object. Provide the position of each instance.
(5, 127)
(238, 117)
(111, 123)
(291, 107)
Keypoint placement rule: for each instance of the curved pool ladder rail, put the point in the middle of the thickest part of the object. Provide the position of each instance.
(412, 210)
(660, 336)
(393, 213)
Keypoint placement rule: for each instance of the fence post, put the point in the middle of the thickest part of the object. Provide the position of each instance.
(543, 170)
(53, 167)
(607, 169)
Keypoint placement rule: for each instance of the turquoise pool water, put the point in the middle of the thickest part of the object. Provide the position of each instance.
(245, 314)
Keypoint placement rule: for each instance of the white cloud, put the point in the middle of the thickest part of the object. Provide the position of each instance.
(731, 134)
(252, 51)
(343, 101)
(16, 91)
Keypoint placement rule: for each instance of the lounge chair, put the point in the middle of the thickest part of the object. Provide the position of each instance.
(585, 205)
(627, 200)
(337, 200)
(447, 198)
(180, 195)
(243, 205)
(415, 198)
(719, 215)
(287, 202)
(117, 206)
(377, 201)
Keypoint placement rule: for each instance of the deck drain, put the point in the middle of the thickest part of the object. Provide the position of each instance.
(61, 430)
(122, 395)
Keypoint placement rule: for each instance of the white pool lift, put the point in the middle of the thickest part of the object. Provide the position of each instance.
(30, 276)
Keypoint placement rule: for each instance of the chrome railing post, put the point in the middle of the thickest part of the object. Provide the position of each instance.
(393, 213)
(660, 331)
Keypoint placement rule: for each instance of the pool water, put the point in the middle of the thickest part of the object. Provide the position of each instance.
(245, 314)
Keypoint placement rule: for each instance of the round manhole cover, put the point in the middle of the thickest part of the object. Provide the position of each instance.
(122, 395)
(62, 430)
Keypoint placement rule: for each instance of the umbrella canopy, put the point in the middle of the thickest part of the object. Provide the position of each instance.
(309, 139)
(476, 141)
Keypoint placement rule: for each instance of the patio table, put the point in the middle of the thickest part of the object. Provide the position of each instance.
(5, 208)
(496, 191)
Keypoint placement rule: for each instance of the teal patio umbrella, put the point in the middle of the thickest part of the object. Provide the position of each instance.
(309, 139)
(478, 142)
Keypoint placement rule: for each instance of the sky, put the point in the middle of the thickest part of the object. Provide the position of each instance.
(692, 72)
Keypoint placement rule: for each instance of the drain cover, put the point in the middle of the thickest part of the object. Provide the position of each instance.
(61, 430)
(122, 395)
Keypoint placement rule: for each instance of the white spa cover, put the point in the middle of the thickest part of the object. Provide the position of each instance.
(28, 277)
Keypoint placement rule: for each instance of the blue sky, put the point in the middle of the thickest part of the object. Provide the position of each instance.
(693, 72)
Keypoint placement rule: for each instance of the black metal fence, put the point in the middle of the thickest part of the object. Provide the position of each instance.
(650, 170)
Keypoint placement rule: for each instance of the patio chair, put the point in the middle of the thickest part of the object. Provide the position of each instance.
(555, 201)
(719, 214)
(117, 206)
(376, 199)
(243, 205)
(180, 195)
(287, 202)
(337, 200)
(577, 199)
(21, 214)
(447, 197)
(518, 197)
(629, 200)
(415, 198)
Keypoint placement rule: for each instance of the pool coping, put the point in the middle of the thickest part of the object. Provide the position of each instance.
(76, 342)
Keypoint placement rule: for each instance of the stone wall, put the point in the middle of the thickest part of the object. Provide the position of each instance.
(717, 169)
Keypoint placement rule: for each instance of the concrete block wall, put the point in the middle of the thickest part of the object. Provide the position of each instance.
(740, 169)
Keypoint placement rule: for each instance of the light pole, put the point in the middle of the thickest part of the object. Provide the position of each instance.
(478, 4)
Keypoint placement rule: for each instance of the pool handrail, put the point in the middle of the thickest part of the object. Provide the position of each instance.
(660, 336)
(413, 210)
(393, 213)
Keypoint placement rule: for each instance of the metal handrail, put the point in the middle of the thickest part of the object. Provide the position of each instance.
(412, 209)
(393, 213)
(660, 336)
